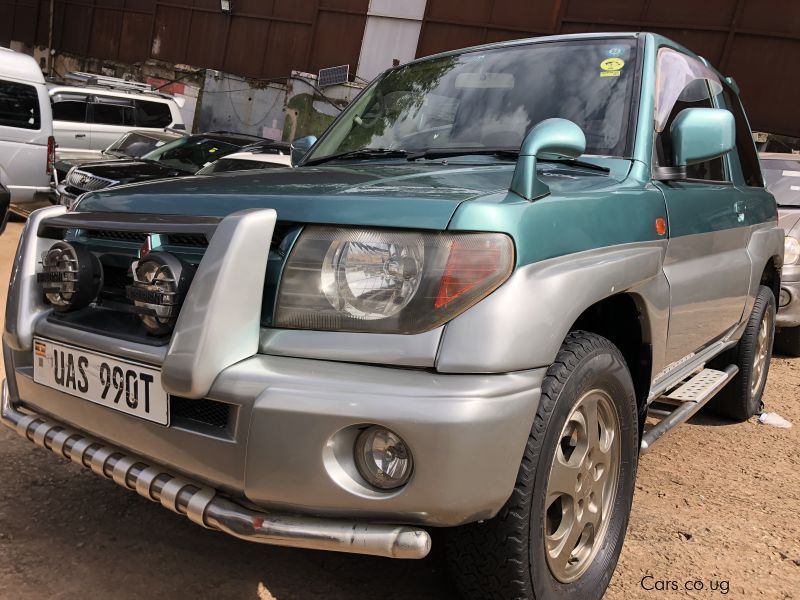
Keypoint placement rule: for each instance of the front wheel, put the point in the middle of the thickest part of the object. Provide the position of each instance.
(560, 533)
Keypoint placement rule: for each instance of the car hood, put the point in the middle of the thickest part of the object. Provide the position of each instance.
(131, 171)
(788, 219)
(414, 195)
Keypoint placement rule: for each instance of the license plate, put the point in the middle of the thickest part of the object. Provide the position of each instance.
(122, 385)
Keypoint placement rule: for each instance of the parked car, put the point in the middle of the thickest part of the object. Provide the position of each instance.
(454, 313)
(26, 131)
(5, 201)
(782, 175)
(270, 155)
(179, 158)
(133, 144)
(94, 115)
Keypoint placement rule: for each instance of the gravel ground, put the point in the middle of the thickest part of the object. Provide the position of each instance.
(715, 508)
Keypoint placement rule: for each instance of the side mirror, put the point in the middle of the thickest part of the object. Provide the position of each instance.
(701, 134)
(301, 146)
(551, 137)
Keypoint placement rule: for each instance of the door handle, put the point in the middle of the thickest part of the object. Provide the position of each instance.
(80, 135)
(739, 207)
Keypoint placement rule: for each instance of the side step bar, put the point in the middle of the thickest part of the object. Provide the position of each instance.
(203, 505)
(692, 395)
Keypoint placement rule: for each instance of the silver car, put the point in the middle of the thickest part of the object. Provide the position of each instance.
(782, 177)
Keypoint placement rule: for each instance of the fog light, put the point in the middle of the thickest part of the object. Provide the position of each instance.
(71, 276)
(160, 282)
(784, 298)
(383, 458)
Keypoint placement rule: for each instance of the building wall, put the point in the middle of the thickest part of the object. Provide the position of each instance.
(756, 42)
(260, 39)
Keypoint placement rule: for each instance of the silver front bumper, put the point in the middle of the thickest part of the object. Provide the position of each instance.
(287, 447)
(203, 505)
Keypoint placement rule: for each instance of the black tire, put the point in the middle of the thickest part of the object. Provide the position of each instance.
(505, 558)
(787, 341)
(738, 401)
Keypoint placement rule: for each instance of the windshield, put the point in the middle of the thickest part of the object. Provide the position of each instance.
(492, 98)
(190, 154)
(782, 179)
(134, 145)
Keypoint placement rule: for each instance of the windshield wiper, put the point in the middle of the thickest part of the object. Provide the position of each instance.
(575, 163)
(360, 153)
(452, 152)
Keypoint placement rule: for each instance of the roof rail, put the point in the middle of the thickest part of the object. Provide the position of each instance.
(114, 83)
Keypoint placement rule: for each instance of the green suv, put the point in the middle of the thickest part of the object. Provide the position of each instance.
(455, 314)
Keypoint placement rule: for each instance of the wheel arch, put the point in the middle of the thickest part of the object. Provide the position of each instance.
(623, 320)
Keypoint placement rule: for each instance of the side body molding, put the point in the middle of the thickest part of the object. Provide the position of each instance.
(219, 322)
(522, 324)
(25, 304)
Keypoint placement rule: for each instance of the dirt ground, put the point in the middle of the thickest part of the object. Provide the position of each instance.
(716, 510)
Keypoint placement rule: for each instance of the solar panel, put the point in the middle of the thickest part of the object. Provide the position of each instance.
(333, 75)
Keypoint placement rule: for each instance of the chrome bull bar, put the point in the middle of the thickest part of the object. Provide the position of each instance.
(203, 506)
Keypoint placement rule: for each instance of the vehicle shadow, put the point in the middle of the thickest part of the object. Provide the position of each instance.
(115, 544)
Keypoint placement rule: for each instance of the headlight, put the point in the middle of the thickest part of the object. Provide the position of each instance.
(71, 276)
(342, 279)
(791, 250)
(160, 282)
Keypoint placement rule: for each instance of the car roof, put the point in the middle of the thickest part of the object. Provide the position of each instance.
(161, 135)
(104, 91)
(20, 66)
(282, 159)
(531, 41)
(241, 139)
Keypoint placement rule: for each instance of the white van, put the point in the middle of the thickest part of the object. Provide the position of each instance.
(27, 147)
(94, 117)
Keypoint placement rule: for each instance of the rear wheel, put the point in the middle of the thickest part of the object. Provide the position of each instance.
(741, 398)
(560, 533)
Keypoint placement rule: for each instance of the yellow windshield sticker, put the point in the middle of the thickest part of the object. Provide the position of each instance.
(612, 64)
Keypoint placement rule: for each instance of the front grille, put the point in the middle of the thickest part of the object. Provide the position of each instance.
(86, 182)
(187, 239)
(118, 244)
(117, 236)
(194, 240)
(206, 412)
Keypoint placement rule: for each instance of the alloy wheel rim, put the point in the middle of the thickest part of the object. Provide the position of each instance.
(760, 358)
(582, 486)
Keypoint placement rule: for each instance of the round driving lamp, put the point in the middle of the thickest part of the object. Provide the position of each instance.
(160, 283)
(383, 459)
(71, 276)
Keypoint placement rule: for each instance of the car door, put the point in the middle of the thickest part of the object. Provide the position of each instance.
(111, 117)
(706, 263)
(70, 126)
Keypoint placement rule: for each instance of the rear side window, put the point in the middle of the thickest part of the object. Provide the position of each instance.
(19, 105)
(112, 111)
(70, 107)
(152, 114)
(745, 148)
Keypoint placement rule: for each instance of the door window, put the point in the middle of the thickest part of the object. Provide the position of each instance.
(112, 111)
(19, 105)
(152, 114)
(745, 148)
(683, 82)
(70, 107)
